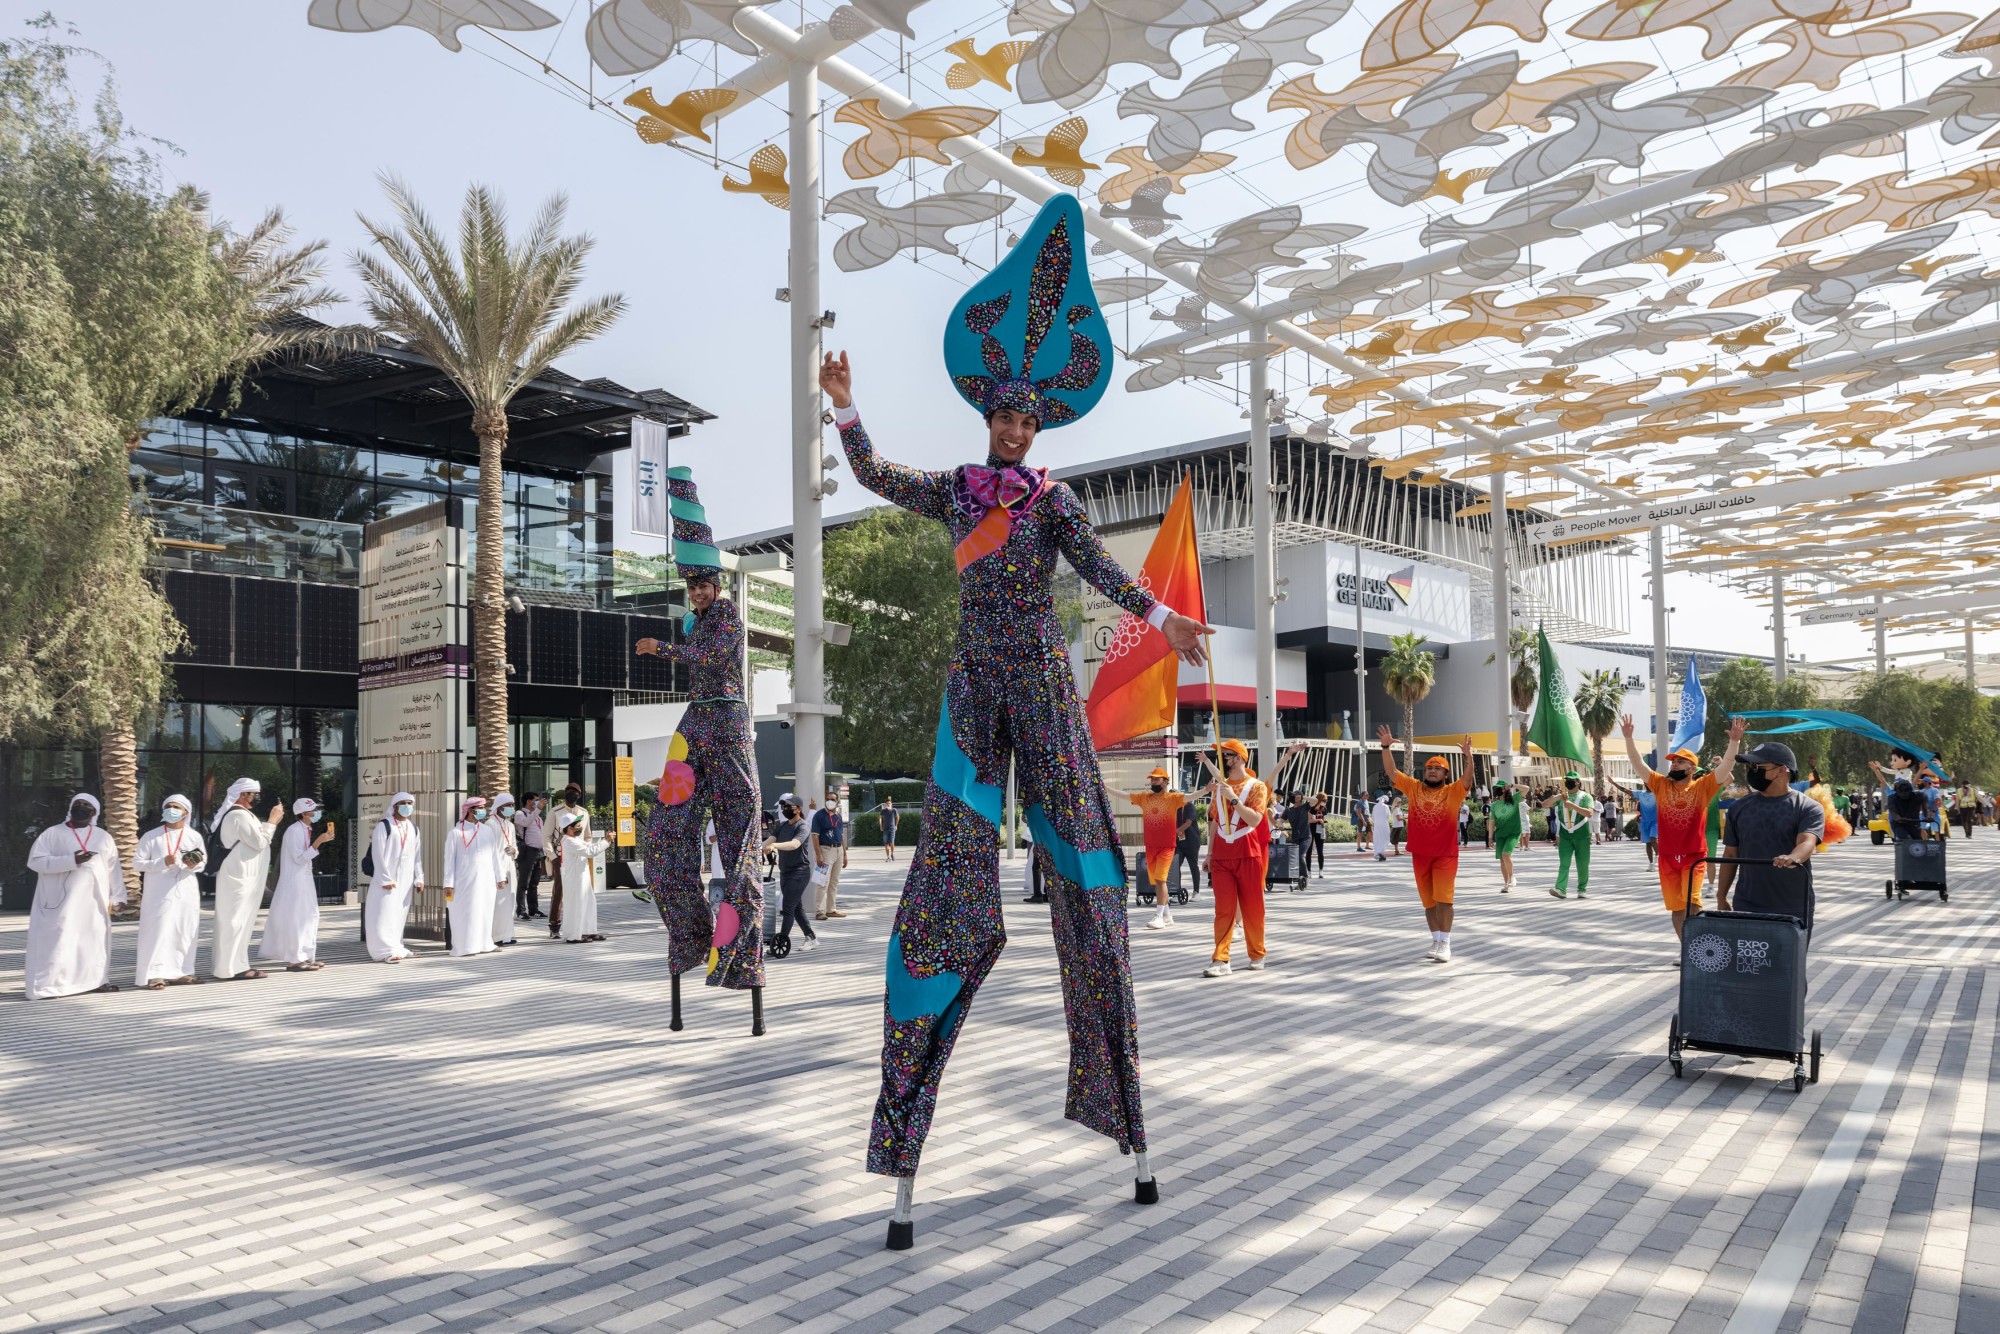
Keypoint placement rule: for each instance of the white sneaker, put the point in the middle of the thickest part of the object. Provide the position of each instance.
(1166, 917)
(1256, 965)
(1431, 954)
(1507, 887)
(1443, 953)
(811, 944)
(1156, 921)
(1216, 969)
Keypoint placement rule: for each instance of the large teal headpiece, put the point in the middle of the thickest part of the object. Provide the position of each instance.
(694, 541)
(1029, 335)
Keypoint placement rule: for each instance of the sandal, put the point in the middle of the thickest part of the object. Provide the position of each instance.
(106, 987)
(156, 985)
(183, 981)
(250, 975)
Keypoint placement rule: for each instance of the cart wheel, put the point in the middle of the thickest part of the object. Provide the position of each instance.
(1674, 1043)
(1888, 889)
(1799, 1078)
(1901, 894)
(1180, 897)
(1814, 1076)
(1877, 837)
(778, 947)
(1944, 895)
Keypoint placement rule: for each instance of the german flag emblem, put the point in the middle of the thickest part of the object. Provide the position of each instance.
(1401, 581)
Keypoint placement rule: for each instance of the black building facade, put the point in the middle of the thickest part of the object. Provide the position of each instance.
(259, 508)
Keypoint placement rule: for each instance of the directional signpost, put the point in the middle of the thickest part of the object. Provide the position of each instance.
(415, 659)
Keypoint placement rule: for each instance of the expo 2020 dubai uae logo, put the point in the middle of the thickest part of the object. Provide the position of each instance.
(1709, 953)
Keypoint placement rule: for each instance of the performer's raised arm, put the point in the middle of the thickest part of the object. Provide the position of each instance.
(918, 491)
(1084, 550)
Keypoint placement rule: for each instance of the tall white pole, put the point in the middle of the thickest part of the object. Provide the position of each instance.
(1360, 679)
(808, 567)
(1881, 639)
(1663, 731)
(1263, 560)
(1778, 628)
(1503, 626)
(1971, 672)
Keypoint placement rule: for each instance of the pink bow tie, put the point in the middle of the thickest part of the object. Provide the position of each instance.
(996, 486)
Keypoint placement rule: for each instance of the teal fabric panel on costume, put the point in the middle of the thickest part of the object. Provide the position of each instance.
(917, 997)
(1091, 870)
(953, 772)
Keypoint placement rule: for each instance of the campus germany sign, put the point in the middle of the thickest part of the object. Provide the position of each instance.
(1937, 466)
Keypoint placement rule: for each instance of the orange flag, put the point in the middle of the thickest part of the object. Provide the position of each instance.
(1140, 676)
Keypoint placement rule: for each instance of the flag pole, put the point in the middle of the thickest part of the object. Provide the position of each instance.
(1208, 650)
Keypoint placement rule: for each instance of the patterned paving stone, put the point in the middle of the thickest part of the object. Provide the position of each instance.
(1352, 1139)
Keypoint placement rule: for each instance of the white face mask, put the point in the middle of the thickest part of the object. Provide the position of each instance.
(403, 809)
(173, 815)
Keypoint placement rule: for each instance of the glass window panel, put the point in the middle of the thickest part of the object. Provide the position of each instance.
(174, 728)
(408, 471)
(251, 446)
(167, 476)
(162, 774)
(401, 499)
(270, 730)
(229, 488)
(345, 497)
(222, 727)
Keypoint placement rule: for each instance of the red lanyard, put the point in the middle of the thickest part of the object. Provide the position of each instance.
(464, 838)
(174, 850)
(82, 843)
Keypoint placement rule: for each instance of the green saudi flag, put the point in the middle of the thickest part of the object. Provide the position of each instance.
(1556, 728)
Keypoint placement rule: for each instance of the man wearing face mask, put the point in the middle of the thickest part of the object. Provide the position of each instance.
(1433, 836)
(1569, 815)
(69, 927)
(1777, 829)
(291, 928)
(506, 868)
(1158, 810)
(471, 876)
(170, 914)
(397, 850)
(1683, 802)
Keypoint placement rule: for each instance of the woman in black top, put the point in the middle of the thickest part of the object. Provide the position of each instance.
(788, 840)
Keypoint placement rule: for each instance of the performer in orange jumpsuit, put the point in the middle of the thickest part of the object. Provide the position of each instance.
(1239, 850)
(1433, 834)
(1160, 810)
(1683, 801)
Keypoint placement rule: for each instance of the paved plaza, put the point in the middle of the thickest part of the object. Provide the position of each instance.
(1352, 1139)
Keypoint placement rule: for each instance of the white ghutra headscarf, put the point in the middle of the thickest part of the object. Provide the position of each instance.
(236, 789)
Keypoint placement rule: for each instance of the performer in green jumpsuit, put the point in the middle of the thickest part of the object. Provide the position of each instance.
(1503, 822)
(1571, 811)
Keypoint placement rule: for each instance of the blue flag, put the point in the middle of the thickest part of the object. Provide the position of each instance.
(1691, 724)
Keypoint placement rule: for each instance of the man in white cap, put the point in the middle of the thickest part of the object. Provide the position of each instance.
(471, 878)
(507, 873)
(170, 858)
(291, 928)
(396, 851)
(239, 885)
(69, 927)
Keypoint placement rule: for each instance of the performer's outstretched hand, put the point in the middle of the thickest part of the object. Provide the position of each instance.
(1184, 633)
(836, 381)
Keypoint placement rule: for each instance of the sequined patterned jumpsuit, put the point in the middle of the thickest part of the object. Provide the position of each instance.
(716, 778)
(1010, 691)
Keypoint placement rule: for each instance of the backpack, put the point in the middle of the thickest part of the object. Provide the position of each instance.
(368, 857)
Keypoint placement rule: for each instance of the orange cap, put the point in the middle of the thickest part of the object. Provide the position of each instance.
(1437, 761)
(1242, 751)
(1684, 754)
(1158, 773)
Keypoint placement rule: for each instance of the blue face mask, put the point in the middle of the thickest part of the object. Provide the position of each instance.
(403, 809)
(173, 815)
(506, 811)
(479, 813)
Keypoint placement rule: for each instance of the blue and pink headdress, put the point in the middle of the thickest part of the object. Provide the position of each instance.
(1029, 336)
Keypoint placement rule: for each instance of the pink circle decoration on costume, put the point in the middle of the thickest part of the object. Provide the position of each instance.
(676, 783)
(726, 925)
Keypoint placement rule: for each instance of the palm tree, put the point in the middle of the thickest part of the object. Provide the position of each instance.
(1408, 673)
(492, 316)
(1600, 697)
(1522, 682)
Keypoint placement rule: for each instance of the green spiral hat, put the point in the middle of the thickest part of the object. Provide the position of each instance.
(695, 555)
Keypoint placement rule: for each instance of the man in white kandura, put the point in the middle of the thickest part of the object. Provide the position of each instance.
(579, 881)
(69, 928)
(396, 852)
(169, 858)
(507, 873)
(1381, 822)
(291, 928)
(471, 874)
(239, 885)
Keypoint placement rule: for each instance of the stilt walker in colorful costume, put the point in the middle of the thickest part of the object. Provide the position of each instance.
(1028, 348)
(711, 772)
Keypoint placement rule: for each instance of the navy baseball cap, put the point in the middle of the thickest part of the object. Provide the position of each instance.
(1772, 752)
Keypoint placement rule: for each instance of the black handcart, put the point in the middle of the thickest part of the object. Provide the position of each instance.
(1919, 865)
(1743, 988)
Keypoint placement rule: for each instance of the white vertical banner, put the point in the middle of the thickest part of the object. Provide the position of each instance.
(649, 477)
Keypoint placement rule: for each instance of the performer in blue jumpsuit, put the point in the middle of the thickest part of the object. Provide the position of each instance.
(711, 772)
(1029, 350)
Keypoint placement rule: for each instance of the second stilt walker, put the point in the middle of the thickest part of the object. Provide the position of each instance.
(1029, 350)
(711, 773)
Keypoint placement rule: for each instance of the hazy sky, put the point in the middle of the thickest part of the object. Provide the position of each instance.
(266, 110)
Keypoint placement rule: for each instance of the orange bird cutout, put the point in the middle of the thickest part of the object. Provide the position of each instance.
(767, 178)
(891, 139)
(683, 115)
(1138, 680)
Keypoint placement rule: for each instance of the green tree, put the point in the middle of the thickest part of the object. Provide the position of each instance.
(493, 315)
(892, 577)
(120, 300)
(1948, 717)
(1521, 681)
(1408, 673)
(1598, 697)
